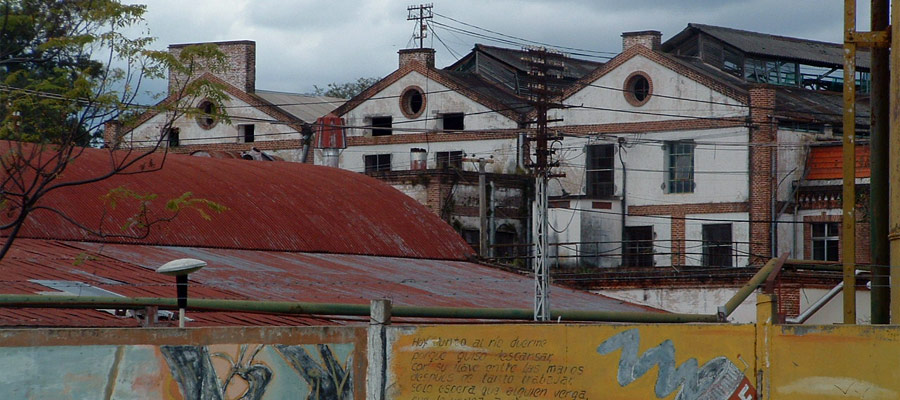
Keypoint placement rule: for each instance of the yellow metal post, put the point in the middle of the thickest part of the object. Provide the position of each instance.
(848, 220)
(894, 173)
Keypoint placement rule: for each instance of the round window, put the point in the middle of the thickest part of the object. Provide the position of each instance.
(638, 88)
(206, 114)
(412, 102)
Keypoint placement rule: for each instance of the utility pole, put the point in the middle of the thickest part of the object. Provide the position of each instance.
(420, 13)
(484, 232)
(542, 64)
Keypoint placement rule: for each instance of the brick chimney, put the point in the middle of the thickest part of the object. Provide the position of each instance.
(112, 134)
(648, 39)
(239, 69)
(424, 56)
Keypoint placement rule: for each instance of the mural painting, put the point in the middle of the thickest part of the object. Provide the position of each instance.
(681, 362)
(214, 372)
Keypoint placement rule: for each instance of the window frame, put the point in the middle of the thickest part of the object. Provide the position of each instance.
(717, 252)
(600, 166)
(673, 151)
(452, 116)
(243, 133)
(448, 159)
(637, 252)
(828, 237)
(377, 162)
(173, 140)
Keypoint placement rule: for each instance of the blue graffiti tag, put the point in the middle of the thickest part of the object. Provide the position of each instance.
(714, 380)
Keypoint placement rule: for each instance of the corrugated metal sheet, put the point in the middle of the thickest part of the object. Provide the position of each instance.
(129, 270)
(826, 162)
(307, 108)
(271, 206)
(761, 44)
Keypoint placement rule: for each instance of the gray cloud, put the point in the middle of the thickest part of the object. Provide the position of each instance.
(301, 43)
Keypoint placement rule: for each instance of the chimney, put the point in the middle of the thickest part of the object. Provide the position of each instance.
(648, 39)
(424, 56)
(112, 134)
(239, 69)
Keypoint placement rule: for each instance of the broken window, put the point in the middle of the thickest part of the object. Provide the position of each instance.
(378, 162)
(600, 170)
(449, 159)
(825, 241)
(638, 246)
(172, 137)
(247, 133)
(717, 245)
(381, 126)
(680, 166)
(453, 121)
(771, 71)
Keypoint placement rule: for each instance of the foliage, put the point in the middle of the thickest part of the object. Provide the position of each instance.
(66, 68)
(345, 90)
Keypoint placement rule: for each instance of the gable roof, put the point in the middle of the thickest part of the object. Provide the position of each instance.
(290, 108)
(575, 68)
(773, 46)
(469, 85)
(290, 207)
(725, 86)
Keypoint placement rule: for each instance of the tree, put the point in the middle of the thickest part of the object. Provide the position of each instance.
(66, 68)
(345, 90)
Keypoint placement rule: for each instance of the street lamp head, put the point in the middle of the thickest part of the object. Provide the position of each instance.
(182, 266)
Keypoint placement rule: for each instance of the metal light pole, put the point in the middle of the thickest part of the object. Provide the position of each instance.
(180, 269)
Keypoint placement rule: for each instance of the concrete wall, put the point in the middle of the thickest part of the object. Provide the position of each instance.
(207, 363)
(446, 362)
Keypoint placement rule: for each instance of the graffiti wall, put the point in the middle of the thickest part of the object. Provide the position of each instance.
(295, 368)
(573, 362)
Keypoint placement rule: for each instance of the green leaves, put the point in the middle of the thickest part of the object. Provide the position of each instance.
(146, 216)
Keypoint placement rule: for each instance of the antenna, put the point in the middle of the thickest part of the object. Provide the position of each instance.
(421, 13)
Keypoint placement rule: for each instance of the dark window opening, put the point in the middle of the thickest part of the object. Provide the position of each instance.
(381, 126)
(172, 137)
(600, 170)
(717, 245)
(449, 159)
(680, 166)
(248, 133)
(378, 162)
(825, 241)
(412, 102)
(505, 239)
(207, 111)
(638, 250)
(637, 89)
(454, 121)
(472, 237)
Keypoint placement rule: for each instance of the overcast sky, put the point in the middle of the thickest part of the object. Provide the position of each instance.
(301, 43)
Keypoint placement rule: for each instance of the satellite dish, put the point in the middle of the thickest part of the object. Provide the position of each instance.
(181, 266)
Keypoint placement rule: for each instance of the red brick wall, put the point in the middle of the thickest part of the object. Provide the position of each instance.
(239, 69)
(762, 135)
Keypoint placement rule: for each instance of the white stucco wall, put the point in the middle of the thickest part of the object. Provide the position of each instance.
(503, 152)
(191, 133)
(607, 103)
(439, 99)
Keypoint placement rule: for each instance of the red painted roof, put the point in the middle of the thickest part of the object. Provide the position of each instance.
(129, 270)
(826, 162)
(271, 206)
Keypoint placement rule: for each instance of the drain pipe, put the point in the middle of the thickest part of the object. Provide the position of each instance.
(821, 302)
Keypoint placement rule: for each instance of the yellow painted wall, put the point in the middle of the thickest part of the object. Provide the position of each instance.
(835, 362)
(573, 362)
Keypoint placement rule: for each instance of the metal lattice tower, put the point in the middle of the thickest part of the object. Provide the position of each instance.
(543, 64)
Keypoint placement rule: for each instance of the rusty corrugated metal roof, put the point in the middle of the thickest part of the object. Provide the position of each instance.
(271, 206)
(826, 162)
(129, 270)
